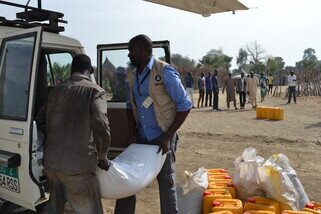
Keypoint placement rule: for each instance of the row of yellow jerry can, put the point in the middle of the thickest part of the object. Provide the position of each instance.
(271, 113)
(220, 187)
(219, 198)
(259, 205)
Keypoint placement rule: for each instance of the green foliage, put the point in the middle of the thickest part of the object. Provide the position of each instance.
(182, 62)
(241, 59)
(274, 65)
(216, 59)
(309, 60)
(61, 72)
(309, 55)
(258, 67)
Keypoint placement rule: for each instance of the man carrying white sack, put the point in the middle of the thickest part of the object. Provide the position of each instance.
(158, 106)
(77, 140)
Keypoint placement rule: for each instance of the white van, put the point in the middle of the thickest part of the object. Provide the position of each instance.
(33, 60)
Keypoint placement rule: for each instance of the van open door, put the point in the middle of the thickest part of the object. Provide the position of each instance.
(19, 174)
(112, 66)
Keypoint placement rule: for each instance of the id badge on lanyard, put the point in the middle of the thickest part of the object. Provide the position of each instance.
(147, 102)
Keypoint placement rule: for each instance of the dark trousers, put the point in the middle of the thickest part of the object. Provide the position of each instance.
(80, 190)
(208, 97)
(166, 186)
(292, 91)
(126, 205)
(270, 88)
(200, 98)
(215, 100)
(242, 95)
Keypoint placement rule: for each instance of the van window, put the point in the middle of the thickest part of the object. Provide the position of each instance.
(58, 67)
(16, 64)
(115, 64)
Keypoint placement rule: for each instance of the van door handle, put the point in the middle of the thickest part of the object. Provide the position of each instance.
(9, 159)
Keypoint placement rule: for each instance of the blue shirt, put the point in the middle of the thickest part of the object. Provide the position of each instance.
(189, 82)
(147, 123)
(215, 83)
(208, 83)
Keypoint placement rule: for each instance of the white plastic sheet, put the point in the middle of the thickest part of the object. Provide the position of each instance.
(133, 170)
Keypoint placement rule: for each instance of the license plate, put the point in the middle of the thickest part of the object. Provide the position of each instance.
(9, 178)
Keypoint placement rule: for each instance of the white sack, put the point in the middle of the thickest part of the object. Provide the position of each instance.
(135, 168)
(190, 193)
(281, 182)
(246, 174)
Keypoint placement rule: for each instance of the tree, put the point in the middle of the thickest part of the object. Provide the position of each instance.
(241, 59)
(309, 55)
(61, 72)
(257, 53)
(258, 67)
(274, 65)
(182, 62)
(309, 60)
(216, 59)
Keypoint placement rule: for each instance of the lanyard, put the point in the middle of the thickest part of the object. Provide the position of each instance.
(142, 81)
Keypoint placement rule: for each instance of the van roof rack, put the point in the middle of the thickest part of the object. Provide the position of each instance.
(33, 17)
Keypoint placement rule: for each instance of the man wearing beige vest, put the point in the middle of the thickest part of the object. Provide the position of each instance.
(157, 107)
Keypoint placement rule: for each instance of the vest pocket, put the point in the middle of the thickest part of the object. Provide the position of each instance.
(169, 114)
(162, 99)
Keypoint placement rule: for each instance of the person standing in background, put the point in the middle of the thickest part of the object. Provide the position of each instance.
(241, 90)
(247, 92)
(201, 88)
(208, 85)
(230, 86)
(189, 82)
(252, 84)
(270, 82)
(292, 85)
(263, 88)
(216, 91)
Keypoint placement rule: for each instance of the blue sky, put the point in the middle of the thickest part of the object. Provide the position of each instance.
(284, 27)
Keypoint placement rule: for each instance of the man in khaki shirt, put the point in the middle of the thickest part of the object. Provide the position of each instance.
(77, 140)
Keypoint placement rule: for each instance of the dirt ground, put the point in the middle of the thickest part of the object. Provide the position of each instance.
(215, 139)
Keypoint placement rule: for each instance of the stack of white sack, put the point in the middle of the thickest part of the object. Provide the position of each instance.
(130, 172)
